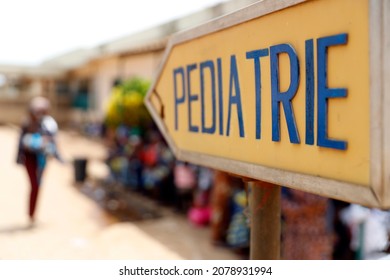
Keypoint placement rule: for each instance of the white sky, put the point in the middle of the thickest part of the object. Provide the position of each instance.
(34, 30)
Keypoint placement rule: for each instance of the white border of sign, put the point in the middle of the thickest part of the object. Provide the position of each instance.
(378, 195)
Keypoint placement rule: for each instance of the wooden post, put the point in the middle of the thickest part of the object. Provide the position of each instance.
(265, 221)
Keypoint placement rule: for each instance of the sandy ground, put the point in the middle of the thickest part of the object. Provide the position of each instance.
(72, 226)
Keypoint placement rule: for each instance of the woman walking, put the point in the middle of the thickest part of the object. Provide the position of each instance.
(36, 142)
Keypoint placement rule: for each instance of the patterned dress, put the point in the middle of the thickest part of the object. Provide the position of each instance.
(307, 233)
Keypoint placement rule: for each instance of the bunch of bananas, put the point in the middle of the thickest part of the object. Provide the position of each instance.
(126, 106)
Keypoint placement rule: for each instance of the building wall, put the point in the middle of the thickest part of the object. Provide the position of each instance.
(103, 72)
(16, 93)
(143, 65)
(12, 111)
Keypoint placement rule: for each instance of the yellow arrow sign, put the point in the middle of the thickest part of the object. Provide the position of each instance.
(282, 91)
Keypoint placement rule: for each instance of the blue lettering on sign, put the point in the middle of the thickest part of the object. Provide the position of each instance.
(235, 99)
(191, 98)
(178, 100)
(284, 98)
(255, 55)
(210, 75)
(309, 92)
(207, 65)
(220, 95)
(324, 93)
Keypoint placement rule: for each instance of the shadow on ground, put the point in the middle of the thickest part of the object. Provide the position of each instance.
(123, 204)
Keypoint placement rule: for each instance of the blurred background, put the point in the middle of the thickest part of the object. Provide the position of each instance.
(120, 193)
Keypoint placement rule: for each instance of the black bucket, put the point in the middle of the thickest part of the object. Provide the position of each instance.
(80, 169)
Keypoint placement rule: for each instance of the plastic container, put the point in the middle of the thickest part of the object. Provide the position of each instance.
(80, 169)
